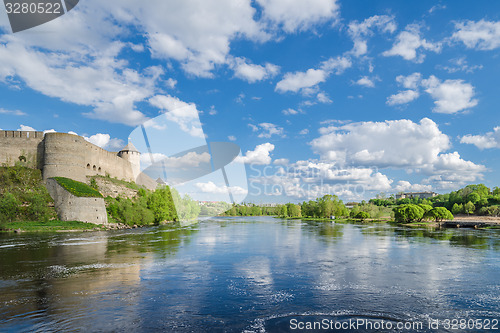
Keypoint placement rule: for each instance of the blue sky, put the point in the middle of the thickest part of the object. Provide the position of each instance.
(351, 98)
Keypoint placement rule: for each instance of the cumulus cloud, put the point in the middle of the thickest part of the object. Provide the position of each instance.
(365, 81)
(260, 155)
(481, 35)
(281, 161)
(26, 128)
(253, 73)
(402, 97)
(408, 42)
(323, 98)
(182, 113)
(267, 130)
(486, 141)
(307, 179)
(231, 138)
(361, 31)
(450, 96)
(297, 15)
(307, 81)
(211, 187)
(420, 147)
(406, 186)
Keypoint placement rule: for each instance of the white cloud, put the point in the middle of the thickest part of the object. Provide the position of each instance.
(300, 80)
(297, 15)
(482, 35)
(269, 130)
(306, 82)
(411, 81)
(12, 112)
(406, 186)
(312, 179)
(359, 32)
(451, 96)
(408, 42)
(251, 72)
(103, 83)
(402, 97)
(231, 138)
(420, 147)
(460, 65)
(365, 81)
(260, 155)
(210, 187)
(489, 140)
(289, 112)
(182, 113)
(26, 128)
(104, 141)
(304, 131)
(323, 98)
(281, 161)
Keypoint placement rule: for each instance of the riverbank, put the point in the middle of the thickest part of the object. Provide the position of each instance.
(60, 226)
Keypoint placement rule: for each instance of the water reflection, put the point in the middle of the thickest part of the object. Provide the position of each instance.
(253, 274)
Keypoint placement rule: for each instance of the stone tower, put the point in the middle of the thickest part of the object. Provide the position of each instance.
(131, 154)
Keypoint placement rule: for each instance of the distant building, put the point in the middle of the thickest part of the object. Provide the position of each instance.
(411, 195)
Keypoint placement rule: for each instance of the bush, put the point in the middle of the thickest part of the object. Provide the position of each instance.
(9, 207)
(362, 216)
(37, 209)
(408, 213)
(439, 214)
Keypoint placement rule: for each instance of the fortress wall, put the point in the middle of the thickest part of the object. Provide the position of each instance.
(101, 162)
(26, 143)
(71, 156)
(73, 208)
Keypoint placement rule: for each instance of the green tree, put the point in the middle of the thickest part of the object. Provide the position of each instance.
(474, 197)
(293, 210)
(439, 214)
(283, 211)
(9, 207)
(457, 208)
(469, 208)
(408, 213)
(362, 216)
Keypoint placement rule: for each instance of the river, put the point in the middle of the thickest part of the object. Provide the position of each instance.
(251, 274)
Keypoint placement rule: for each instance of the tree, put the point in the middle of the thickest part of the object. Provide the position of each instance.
(283, 211)
(293, 210)
(408, 213)
(474, 197)
(457, 209)
(9, 207)
(362, 216)
(439, 214)
(469, 208)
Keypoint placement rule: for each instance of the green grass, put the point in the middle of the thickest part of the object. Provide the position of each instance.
(77, 188)
(130, 185)
(49, 226)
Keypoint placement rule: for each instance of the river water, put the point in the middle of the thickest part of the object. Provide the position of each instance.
(252, 275)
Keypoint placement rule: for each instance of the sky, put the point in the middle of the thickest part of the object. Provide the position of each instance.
(352, 98)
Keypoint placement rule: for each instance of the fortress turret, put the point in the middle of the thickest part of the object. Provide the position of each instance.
(131, 154)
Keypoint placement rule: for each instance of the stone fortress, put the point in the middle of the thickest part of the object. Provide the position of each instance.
(71, 156)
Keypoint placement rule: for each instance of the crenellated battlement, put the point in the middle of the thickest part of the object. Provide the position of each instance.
(22, 134)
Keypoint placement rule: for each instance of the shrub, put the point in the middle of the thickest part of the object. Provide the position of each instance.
(9, 207)
(408, 213)
(362, 216)
(439, 214)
